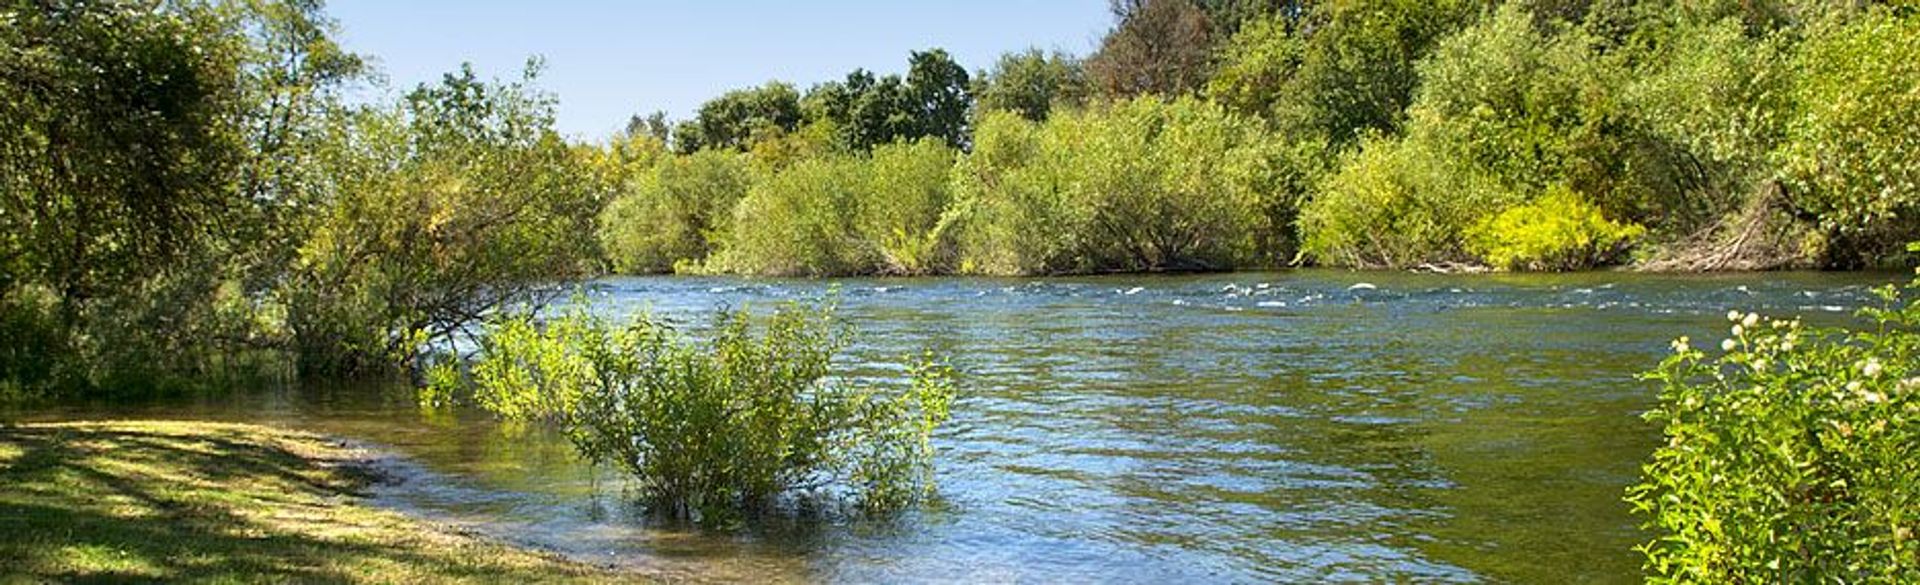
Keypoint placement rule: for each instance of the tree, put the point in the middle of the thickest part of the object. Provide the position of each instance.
(457, 202)
(735, 118)
(1159, 47)
(1337, 72)
(120, 143)
(941, 95)
(1031, 83)
(867, 110)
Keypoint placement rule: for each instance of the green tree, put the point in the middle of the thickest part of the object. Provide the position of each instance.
(1852, 152)
(940, 95)
(459, 201)
(736, 118)
(1031, 83)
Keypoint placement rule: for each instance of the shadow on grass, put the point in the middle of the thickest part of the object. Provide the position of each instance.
(109, 504)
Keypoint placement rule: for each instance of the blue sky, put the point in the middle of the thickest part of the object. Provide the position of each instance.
(607, 60)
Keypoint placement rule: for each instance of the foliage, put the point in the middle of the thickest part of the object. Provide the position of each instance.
(1558, 231)
(1159, 47)
(1032, 84)
(1789, 457)
(666, 217)
(905, 191)
(1852, 152)
(736, 118)
(845, 214)
(1476, 143)
(119, 145)
(868, 111)
(1333, 71)
(715, 428)
(1395, 204)
(1141, 185)
(460, 201)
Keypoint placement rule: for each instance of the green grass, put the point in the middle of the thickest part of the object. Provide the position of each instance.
(208, 502)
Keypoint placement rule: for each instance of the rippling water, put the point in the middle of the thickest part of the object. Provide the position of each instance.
(1248, 427)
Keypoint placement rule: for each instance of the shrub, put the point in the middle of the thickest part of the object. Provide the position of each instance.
(1789, 456)
(1558, 231)
(716, 428)
(905, 191)
(1396, 203)
(461, 201)
(1852, 151)
(1141, 185)
(875, 213)
(670, 214)
(799, 221)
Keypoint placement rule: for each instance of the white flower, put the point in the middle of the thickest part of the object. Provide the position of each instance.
(1728, 345)
(1874, 397)
(1853, 386)
(1737, 330)
(1733, 315)
(1680, 345)
(1871, 368)
(1751, 320)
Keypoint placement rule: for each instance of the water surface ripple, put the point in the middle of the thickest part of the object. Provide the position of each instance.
(1247, 427)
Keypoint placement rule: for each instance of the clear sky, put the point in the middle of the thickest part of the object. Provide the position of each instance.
(607, 59)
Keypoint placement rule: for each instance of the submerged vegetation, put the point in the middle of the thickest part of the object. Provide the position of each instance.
(1790, 453)
(716, 428)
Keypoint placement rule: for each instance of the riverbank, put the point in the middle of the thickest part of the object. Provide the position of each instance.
(194, 501)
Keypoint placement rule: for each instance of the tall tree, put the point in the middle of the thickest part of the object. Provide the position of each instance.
(941, 95)
(736, 117)
(119, 146)
(1159, 47)
(1030, 83)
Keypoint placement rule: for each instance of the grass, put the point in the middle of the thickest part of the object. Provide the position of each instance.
(209, 502)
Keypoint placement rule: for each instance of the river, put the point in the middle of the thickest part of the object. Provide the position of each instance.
(1297, 426)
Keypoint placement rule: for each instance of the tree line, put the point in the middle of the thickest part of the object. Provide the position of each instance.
(1221, 135)
(188, 193)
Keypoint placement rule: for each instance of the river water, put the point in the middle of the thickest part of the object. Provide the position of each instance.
(1298, 426)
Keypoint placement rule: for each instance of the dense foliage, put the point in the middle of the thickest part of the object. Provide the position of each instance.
(718, 427)
(460, 202)
(1789, 454)
(185, 188)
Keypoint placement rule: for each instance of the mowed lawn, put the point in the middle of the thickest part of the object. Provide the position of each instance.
(199, 502)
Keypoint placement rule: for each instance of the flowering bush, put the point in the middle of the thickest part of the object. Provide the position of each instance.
(1792, 454)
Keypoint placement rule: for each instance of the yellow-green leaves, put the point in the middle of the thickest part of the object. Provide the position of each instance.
(716, 426)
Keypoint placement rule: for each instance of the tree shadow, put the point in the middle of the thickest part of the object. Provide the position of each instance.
(86, 504)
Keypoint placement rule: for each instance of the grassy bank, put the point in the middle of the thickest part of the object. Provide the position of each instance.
(190, 501)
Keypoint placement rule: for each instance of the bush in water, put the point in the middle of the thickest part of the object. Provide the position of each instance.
(717, 428)
(1790, 456)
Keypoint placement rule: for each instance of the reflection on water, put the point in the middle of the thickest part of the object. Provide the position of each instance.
(1239, 427)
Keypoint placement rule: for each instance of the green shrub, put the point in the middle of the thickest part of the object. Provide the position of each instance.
(1141, 185)
(800, 222)
(1395, 204)
(1852, 151)
(905, 192)
(1790, 455)
(876, 213)
(717, 428)
(1558, 231)
(670, 214)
